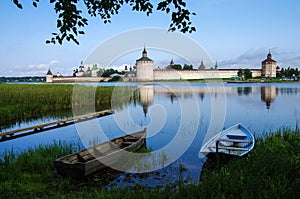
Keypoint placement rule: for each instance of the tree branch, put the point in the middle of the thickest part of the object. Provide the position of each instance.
(70, 21)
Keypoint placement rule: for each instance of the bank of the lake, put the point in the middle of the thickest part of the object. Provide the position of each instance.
(271, 170)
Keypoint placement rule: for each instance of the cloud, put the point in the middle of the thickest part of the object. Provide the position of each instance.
(288, 59)
(34, 69)
(42, 66)
(121, 67)
(252, 58)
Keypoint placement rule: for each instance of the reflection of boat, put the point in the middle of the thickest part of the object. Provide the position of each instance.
(236, 140)
(90, 160)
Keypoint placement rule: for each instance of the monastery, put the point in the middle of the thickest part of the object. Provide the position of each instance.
(145, 72)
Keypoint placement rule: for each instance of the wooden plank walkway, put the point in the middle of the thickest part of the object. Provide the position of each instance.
(8, 135)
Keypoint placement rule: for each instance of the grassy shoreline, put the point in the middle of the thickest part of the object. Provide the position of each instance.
(26, 102)
(271, 170)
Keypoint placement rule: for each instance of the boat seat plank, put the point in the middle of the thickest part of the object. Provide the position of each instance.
(127, 143)
(236, 136)
(80, 158)
(86, 156)
(230, 148)
(234, 140)
(98, 153)
(131, 139)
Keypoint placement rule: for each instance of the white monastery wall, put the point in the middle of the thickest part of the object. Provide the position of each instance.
(256, 73)
(77, 79)
(198, 74)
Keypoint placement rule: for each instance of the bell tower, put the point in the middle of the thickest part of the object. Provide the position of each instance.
(144, 67)
(268, 66)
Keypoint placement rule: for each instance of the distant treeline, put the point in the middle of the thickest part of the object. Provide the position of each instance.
(180, 67)
(101, 72)
(288, 72)
(23, 79)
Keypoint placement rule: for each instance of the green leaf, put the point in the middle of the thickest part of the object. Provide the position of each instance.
(59, 24)
(167, 10)
(16, 2)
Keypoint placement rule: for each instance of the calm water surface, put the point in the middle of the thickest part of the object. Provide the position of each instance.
(179, 118)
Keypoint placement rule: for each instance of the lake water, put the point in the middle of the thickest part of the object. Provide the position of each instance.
(179, 118)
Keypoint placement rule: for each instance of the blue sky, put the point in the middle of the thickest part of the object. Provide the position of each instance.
(236, 33)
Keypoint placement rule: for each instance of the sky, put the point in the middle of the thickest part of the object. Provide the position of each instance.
(235, 33)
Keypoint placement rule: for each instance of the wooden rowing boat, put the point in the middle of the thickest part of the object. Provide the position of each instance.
(236, 140)
(98, 157)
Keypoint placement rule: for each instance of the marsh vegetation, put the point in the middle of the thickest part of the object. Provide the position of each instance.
(26, 102)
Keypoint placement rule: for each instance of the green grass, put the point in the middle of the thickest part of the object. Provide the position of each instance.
(26, 102)
(271, 170)
(30, 174)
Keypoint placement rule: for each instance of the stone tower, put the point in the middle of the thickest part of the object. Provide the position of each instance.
(49, 76)
(202, 66)
(144, 67)
(216, 65)
(268, 67)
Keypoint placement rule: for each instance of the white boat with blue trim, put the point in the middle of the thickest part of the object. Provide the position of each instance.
(236, 140)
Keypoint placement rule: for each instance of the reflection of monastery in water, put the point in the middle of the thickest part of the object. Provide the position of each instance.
(145, 72)
(267, 93)
(146, 95)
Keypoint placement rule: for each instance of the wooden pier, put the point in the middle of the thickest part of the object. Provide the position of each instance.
(9, 135)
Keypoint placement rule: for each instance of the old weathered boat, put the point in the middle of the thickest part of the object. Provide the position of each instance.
(98, 157)
(236, 140)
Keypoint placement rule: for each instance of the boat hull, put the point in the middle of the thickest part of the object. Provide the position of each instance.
(94, 159)
(236, 141)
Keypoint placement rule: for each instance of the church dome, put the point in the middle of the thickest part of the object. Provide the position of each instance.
(144, 56)
(144, 51)
(269, 58)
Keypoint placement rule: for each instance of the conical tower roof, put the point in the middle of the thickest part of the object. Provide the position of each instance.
(49, 72)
